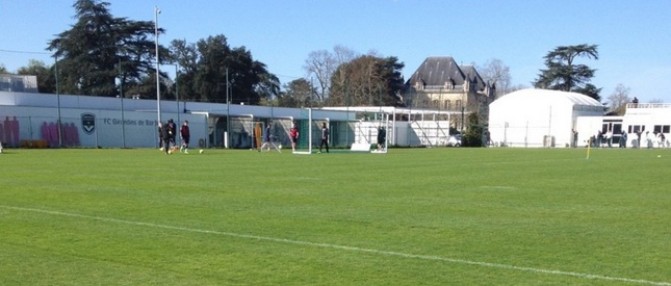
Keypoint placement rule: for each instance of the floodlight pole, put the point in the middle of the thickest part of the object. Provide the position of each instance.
(177, 100)
(58, 103)
(123, 119)
(228, 112)
(158, 86)
(347, 103)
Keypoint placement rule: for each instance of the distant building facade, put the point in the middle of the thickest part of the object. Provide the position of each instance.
(440, 83)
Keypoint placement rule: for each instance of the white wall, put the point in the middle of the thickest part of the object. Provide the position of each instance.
(137, 129)
(528, 127)
(587, 126)
(538, 118)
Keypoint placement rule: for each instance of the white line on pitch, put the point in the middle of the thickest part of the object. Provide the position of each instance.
(350, 248)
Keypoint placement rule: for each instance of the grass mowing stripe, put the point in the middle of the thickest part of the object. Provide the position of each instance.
(344, 247)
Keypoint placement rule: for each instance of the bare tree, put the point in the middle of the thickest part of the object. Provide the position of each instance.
(322, 64)
(619, 98)
(343, 54)
(497, 74)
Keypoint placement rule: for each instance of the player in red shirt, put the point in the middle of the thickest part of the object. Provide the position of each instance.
(293, 134)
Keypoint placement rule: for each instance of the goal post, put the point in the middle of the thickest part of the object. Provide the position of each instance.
(304, 144)
(310, 129)
(382, 135)
(344, 135)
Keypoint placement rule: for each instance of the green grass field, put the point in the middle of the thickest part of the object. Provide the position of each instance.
(410, 217)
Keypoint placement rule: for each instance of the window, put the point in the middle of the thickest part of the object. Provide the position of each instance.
(661, 128)
(636, 128)
(419, 85)
(615, 128)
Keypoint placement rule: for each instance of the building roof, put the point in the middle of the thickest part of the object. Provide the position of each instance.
(435, 71)
(546, 96)
(444, 71)
(474, 76)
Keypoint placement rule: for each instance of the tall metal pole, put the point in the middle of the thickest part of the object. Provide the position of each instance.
(228, 112)
(346, 91)
(123, 119)
(58, 103)
(177, 100)
(158, 86)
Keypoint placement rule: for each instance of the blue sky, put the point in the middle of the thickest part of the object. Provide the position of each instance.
(634, 37)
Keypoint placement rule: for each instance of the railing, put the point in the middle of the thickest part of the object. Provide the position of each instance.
(432, 135)
(648, 105)
(363, 135)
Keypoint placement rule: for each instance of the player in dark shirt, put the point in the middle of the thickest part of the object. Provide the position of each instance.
(325, 138)
(165, 137)
(172, 133)
(185, 134)
(381, 138)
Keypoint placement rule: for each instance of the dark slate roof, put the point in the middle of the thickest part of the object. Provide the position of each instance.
(474, 77)
(435, 71)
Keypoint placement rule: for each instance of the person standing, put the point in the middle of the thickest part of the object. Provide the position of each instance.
(293, 134)
(165, 137)
(185, 134)
(662, 141)
(267, 140)
(325, 138)
(160, 136)
(172, 132)
(648, 139)
(381, 138)
(623, 139)
(639, 137)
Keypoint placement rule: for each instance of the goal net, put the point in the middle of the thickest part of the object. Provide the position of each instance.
(309, 132)
(372, 133)
(362, 135)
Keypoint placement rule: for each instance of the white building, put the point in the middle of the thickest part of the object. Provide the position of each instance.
(652, 121)
(88, 121)
(541, 118)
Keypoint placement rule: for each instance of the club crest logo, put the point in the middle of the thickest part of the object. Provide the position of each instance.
(88, 122)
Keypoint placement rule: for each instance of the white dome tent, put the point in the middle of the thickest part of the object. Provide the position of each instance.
(539, 117)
